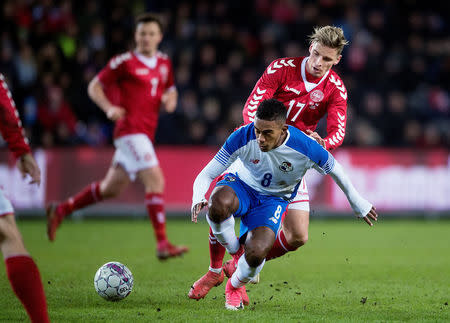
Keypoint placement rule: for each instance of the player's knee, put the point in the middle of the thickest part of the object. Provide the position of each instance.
(2, 237)
(109, 193)
(297, 239)
(9, 233)
(160, 179)
(159, 184)
(220, 205)
(110, 190)
(255, 256)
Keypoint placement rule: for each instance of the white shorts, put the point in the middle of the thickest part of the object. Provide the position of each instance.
(5, 204)
(301, 200)
(134, 153)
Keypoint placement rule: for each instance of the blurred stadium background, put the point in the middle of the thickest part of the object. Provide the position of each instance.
(396, 70)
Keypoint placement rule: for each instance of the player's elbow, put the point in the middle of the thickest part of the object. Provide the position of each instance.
(93, 87)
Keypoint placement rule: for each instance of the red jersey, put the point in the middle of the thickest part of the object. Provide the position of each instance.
(140, 83)
(10, 124)
(285, 80)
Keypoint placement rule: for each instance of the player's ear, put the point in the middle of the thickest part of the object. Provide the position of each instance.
(338, 60)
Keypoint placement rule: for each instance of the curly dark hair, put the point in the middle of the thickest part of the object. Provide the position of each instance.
(271, 110)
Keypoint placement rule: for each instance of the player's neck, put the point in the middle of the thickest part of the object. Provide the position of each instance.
(148, 54)
(311, 78)
(281, 140)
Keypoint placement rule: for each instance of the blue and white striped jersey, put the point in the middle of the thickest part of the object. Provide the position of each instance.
(279, 171)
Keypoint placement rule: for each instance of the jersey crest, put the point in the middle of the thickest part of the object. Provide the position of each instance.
(286, 167)
(316, 96)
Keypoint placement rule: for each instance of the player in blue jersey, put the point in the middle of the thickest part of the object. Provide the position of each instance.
(275, 158)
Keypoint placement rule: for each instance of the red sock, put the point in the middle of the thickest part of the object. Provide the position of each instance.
(280, 247)
(155, 208)
(87, 196)
(216, 251)
(25, 280)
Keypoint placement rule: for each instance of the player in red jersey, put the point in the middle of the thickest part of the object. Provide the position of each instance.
(139, 81)
(310, 90)
(22, 271)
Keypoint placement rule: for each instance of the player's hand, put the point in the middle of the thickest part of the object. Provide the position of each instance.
(115, 113)
(27, 165)
(196, 210)
(372, 215)
(316, 137)
(169, 100)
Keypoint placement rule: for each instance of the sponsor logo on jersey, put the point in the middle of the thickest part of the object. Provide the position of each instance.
(230, 178)
(292, 90)
(316, 95)
(286, 167)
(142, 71)
(255, 161)
(312, 105)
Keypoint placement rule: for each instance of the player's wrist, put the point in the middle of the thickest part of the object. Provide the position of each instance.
(21, 154)
(109, 111)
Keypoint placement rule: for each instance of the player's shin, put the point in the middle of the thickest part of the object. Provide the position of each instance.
(244, 272)
(155, 209)
(87, 196)
(216, 253)
(224, 233)
(26, 283)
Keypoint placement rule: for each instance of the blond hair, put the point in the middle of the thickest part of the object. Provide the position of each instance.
(329, 36)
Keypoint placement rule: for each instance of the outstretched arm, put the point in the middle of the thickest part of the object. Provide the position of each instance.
(360, 206)
(201, 186)
(221, 161)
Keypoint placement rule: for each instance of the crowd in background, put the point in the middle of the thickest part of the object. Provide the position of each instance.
(396, 68)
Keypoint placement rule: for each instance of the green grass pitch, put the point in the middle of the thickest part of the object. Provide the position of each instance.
(348, 272)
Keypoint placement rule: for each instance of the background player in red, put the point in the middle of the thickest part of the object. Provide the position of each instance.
(140, 81)
(22, 271)
(310, 90)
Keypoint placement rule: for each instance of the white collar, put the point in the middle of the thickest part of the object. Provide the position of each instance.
(150, 62)
(309, 86)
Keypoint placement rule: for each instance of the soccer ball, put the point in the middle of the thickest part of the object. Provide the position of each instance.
(113, 281)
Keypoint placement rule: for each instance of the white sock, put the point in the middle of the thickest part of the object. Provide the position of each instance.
(215, 270)
(224, 232)
(244, 272)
